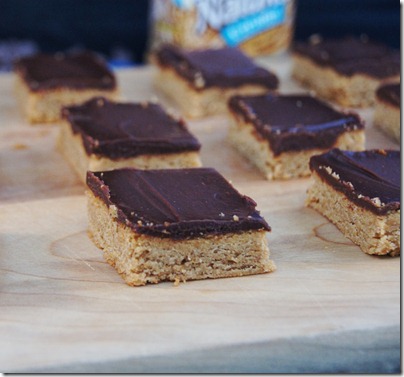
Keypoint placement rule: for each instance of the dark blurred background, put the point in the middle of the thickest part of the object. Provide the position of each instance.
(118, 29)
(379, 19)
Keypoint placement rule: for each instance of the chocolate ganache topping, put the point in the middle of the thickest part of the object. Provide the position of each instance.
(119, 130)
(176, 203)
(352, 55)
(294, 122)
(390, 93)
(225, 67)
(83, 70)
(370, 179)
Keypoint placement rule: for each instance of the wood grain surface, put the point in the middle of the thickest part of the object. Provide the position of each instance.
(62, 304)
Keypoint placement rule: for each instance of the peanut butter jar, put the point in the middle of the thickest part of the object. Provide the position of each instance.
(259, 27)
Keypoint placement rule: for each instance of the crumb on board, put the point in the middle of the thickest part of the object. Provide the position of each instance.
(20, 146)
(179, 280)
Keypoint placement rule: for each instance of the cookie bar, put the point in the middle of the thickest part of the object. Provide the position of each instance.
(201, 81)
(279, 134)
(387, 111)
(175, 225)
(45, 83)
(346, 71)
(360, 193)
(104, 135)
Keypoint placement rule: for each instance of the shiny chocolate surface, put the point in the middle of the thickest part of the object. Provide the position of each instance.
(226, 67)
(83, 70)
(350, 56)
(119, 130)
(294, 122)
(370, 179)
(176, 203)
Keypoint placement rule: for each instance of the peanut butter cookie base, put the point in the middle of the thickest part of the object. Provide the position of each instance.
(387, 118)
(198, 103)
(141, 259)
(374, 234)
(45, 106)
(244, 137)
(348, 91)
(71, 147)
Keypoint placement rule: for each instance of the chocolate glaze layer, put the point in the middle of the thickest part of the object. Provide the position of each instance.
(294, 122)
(119, 130)
(225, 68)
(176, 203)
(390, 93)
(363, 176)
(349, 56)
(83, 70)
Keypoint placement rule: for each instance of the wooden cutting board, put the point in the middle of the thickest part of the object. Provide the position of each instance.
(62, 304)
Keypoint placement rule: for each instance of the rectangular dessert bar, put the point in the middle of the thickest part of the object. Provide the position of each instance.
(279, 133)
(346, 71)
(201, 81)
(360, 193)
(45, 83)
(175, 225)
(387, 110)
(103, 135)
